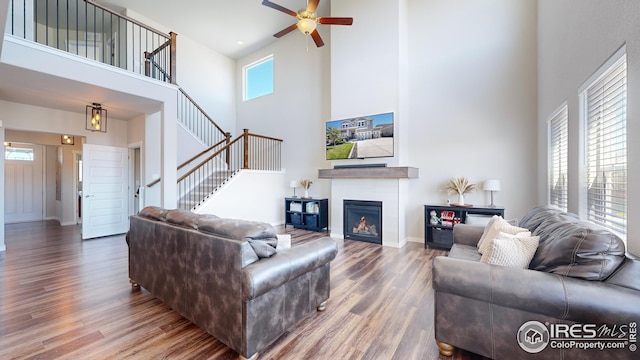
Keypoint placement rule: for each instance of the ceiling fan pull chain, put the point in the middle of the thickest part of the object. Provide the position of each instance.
(306, 40)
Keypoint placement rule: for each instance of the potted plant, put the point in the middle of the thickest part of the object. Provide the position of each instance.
(460, 186)
(306, 184)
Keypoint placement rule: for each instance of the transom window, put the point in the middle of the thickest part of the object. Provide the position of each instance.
(258, 78)
(23, 154)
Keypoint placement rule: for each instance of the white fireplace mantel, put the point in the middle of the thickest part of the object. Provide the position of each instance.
(396, 172)
(386, 184)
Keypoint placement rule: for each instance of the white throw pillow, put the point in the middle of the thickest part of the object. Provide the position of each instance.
(284, 242)
(511, 250)
(496, 225)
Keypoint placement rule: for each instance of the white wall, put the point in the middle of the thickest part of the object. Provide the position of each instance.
(575, 38)
(461, 77)
(472, 95)
(250, 195)
(206, 75)
(298, 108)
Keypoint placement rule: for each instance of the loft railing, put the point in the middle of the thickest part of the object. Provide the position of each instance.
(194, 118)
(91, 30)
(247, 151)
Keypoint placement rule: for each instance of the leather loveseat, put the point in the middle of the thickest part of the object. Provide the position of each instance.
(580, 288)
(225, 275)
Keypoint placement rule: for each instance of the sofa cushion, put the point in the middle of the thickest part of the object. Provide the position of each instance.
(154, 212)
(261, 236)
(627, 275)
(511, 250)
(578, 249)
(184, 218)
(464, 252)
(493, 228)
(536, 216)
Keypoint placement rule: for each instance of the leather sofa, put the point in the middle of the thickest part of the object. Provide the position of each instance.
(579, 275)
(225, 275)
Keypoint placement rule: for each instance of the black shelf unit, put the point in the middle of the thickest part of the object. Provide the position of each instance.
(308, 214)
(441, 235)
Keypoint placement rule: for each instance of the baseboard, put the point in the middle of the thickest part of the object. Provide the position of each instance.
(67, 223)
(415, 240)
(337, 236)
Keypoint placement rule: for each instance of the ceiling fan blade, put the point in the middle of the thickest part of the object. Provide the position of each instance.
(312, 5)
(316, 38)
(279, 8)
(335, 20)
(285, 31)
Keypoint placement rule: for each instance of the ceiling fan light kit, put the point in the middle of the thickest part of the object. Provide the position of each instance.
(307, 26)
(307, 20)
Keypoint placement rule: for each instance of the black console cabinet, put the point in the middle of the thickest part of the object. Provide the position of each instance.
(440, 235)
(308, 214)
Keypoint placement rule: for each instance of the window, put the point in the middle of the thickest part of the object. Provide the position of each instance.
(258, 78)
(558, 155)
(604, 113)
(23, 154)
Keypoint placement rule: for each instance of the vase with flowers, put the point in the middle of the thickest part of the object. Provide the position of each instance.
(460, 186)
(306, 184)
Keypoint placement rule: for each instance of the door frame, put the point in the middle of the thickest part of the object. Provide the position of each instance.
(132, 181)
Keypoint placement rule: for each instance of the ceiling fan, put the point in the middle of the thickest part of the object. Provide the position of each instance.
(307, 20)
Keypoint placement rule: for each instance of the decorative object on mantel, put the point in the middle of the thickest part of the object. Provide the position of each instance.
(67, 140)
(306, 184)
(491, 185)
(96, 118)
(294, 184)
(460, 186)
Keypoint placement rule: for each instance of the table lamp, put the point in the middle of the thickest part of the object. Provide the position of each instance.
(294, 185)
(491, 185)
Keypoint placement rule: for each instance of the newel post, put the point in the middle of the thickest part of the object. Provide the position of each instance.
(246, 149)
(227, 152)
(147, 63)
(172, 57)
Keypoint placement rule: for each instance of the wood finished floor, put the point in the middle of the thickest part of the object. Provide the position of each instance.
(63, 298)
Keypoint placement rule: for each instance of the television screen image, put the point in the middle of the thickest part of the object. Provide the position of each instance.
(361, 137)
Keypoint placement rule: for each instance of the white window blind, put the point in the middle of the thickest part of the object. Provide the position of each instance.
(606, 148)
(558, 155)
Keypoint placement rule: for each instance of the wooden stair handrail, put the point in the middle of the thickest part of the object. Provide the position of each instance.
(205, 151)
(201, 110)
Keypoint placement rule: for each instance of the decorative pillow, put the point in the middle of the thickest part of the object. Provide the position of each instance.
(154, 212)
(264, 247)
(496, 225)
(261, 236)
(284, 242)
(511, 250)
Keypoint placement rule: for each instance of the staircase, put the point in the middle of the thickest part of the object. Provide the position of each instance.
(118, 42)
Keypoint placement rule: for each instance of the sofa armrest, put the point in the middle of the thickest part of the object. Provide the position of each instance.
(537, 292)
(269, 273)
(467, 234)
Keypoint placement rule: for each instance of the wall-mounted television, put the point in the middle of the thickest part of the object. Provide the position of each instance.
(360, 137)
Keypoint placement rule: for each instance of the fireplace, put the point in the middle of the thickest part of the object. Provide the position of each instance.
(363, 220)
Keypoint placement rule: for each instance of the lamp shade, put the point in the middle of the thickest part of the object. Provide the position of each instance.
(491, 185)
(294, 184)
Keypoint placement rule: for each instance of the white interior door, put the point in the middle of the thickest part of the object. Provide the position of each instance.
(23, 189)
(105, 202)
